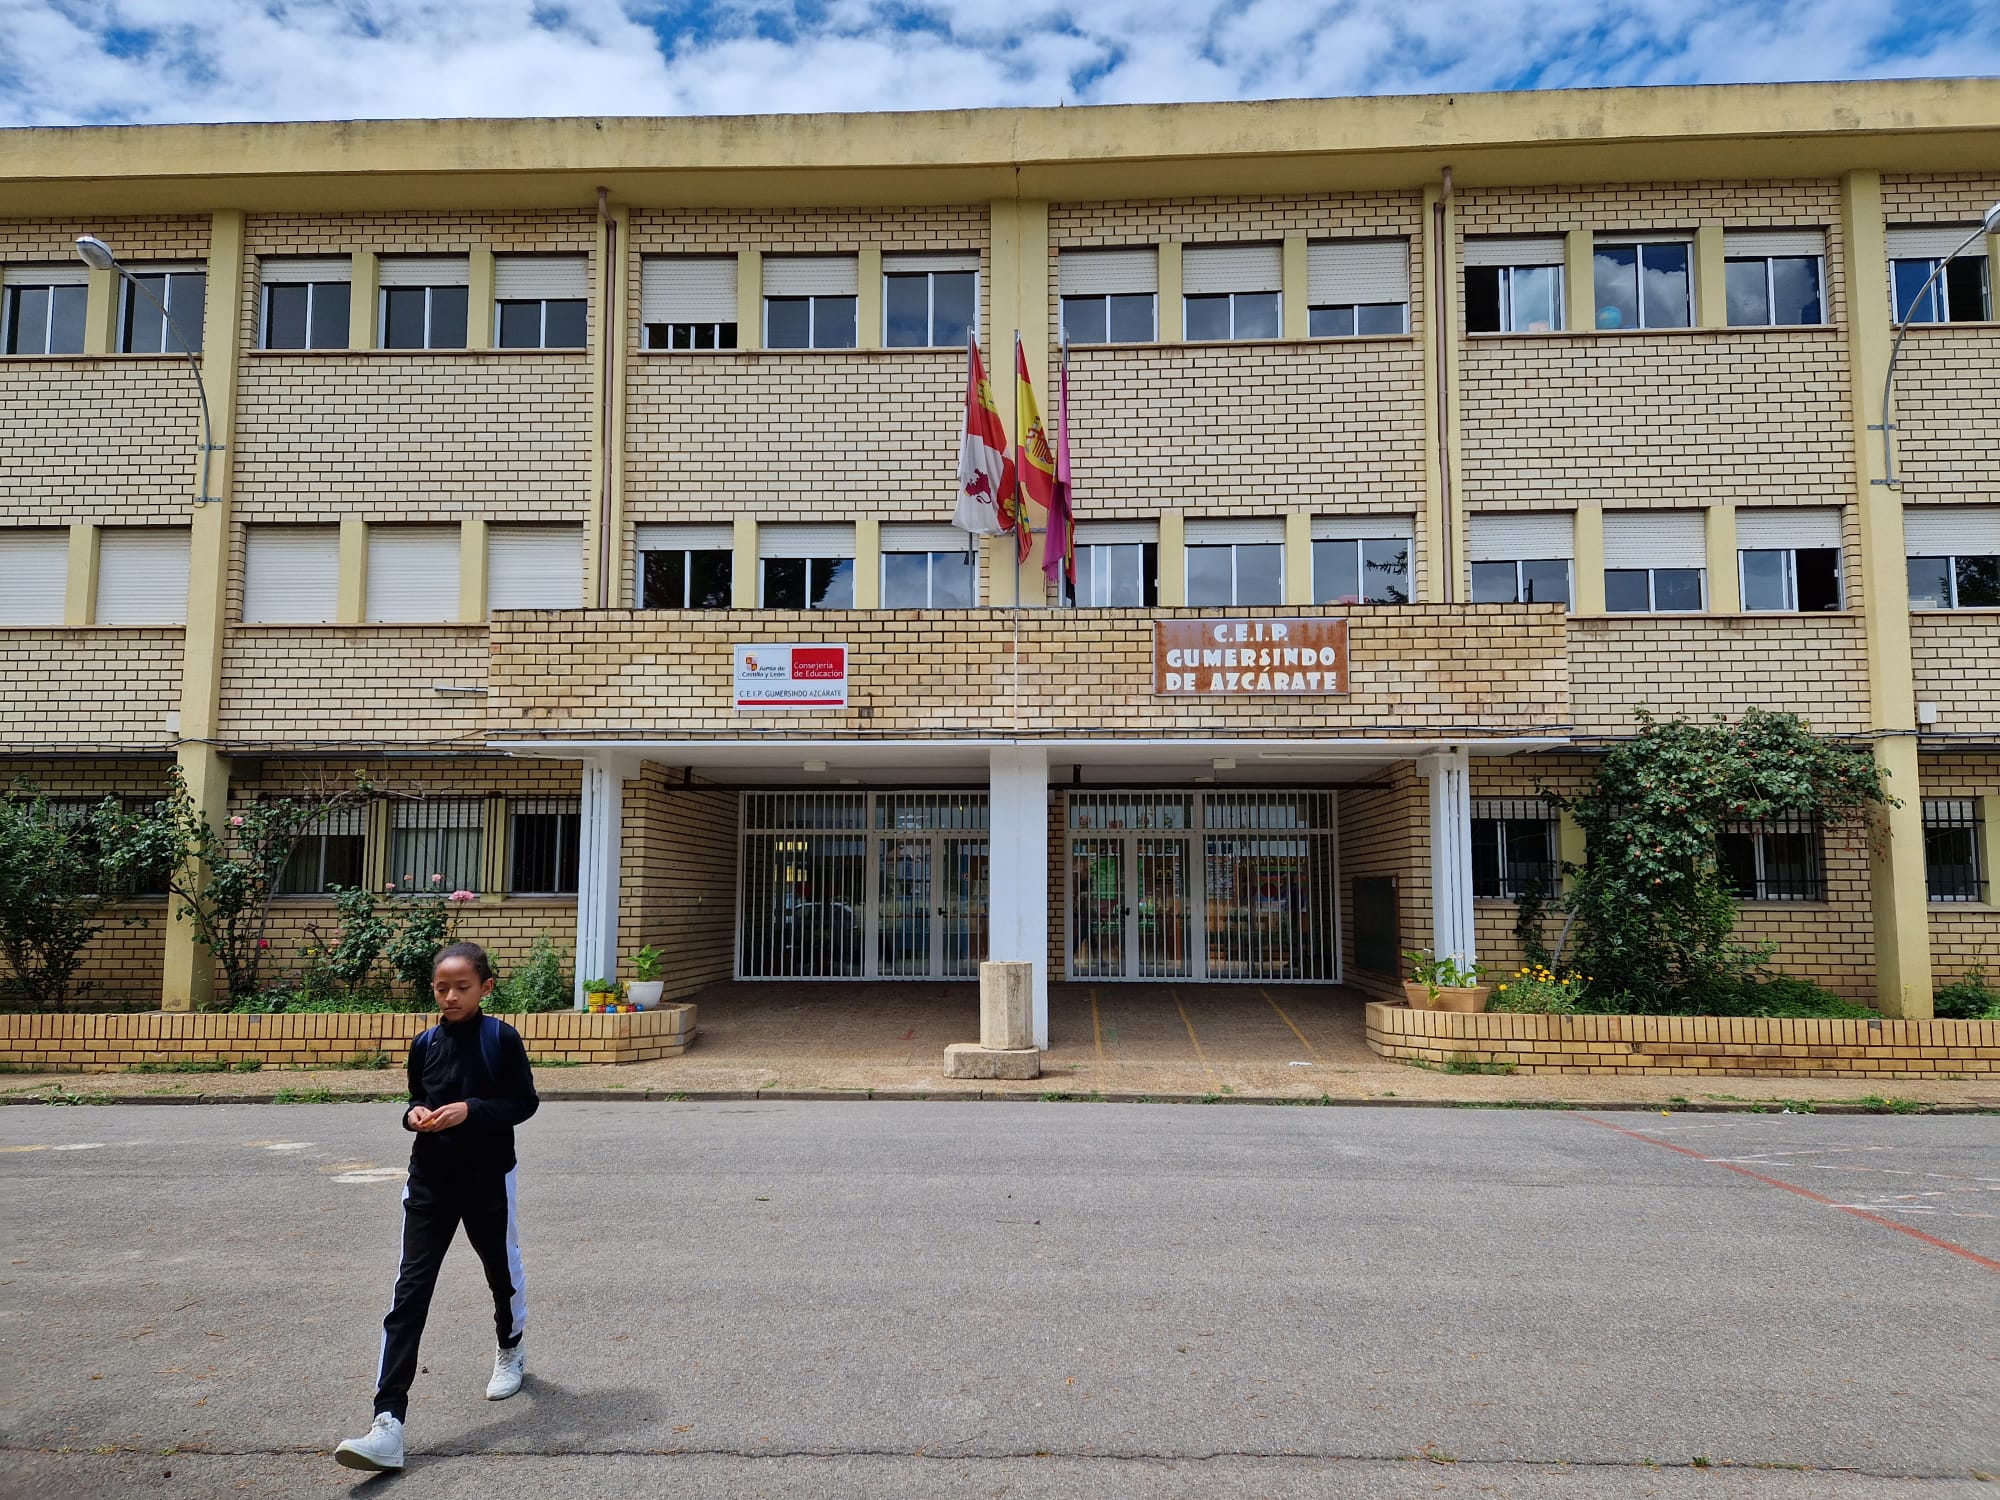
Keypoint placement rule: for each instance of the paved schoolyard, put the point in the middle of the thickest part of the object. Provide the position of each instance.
(904, 1299)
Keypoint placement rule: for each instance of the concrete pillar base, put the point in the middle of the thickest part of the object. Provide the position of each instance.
(970, 1060)
(1006, 1005)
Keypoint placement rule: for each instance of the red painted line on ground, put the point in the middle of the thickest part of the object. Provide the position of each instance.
(1859, 1213)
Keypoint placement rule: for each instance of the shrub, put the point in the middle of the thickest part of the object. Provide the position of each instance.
(1970, 998)
(1749, 993)
(62, 871)
(540, 984)
(1538, 991)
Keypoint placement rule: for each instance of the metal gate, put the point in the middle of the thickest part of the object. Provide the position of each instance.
(1203, 886)
(863, 885)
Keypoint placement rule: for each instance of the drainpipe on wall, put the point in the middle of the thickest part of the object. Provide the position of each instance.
(1441, 333)
(613, 328)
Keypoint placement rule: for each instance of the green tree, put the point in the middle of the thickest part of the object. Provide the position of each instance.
(63, 870)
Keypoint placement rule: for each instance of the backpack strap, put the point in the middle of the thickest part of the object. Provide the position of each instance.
(489, 1046)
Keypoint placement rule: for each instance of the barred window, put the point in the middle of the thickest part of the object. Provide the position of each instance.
(329, 853)
(437, 844)
(544, 835)
(1780, 859)
(1952, 829)
(1514, 844)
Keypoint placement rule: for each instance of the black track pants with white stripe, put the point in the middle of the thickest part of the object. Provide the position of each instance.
(431, 1216)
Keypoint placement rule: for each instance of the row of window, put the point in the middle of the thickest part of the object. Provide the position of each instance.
(1354, 288)
(1515, 853)
(439, 843)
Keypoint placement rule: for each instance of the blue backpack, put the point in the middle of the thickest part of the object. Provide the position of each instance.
(489, 1046)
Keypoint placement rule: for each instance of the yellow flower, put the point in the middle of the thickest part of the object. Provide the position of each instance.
(1503, 989)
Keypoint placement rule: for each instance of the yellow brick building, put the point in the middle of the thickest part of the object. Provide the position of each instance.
(531, 434)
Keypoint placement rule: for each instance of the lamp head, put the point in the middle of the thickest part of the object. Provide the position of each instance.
(1992, 219)
(96, 254)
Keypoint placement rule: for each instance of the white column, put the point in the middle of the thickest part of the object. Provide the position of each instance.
(603, 814)
(1018, 872)
(1451, 852)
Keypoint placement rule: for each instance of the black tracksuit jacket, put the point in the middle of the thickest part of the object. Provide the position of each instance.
(451, 1067)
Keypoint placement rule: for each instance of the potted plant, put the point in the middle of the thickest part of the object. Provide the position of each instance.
(1446, 983)
(646, 986)
(600, 994)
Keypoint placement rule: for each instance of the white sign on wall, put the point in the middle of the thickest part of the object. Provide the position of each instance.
(791, 676)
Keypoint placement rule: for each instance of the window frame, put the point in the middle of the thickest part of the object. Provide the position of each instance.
(1360, 545)
(969, 561)
(567, 842)
(1977, 890)
(687, 556)
(1789, 580)
(812, 563)
(1509, 323)
(1770, 289)
(430, 307)
(128, 295)
(10, 316)
(1232, 337)
(672, 331)
(1518, 564)
(812, 301)
(1505, 812)
(1940, 290)
(1353, 311)
(1951, 560)
(500, 307)
(1087, 568)
(1652, 606)
(415, 882)
(1812, 888)
(1640, 247)
(1189, 549)
(317, 840)
(1062, 318)
(313, 289)
(930, 306)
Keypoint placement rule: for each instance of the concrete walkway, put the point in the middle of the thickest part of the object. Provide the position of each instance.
(1214, 1043)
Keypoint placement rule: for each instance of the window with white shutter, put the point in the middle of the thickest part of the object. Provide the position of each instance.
(1232, 292)
(1788, 558)
(1655, 562)
(806, 567)
(305, 300)
(1362, 559)
(1521, 557)
(291, 575)
(181, 289)
(42, 309)
(1514, 283)
(1954, 556)
(685, 566)
(412, 574)
(1938, 274)
(1109, 296)
(928, 566)
(1117, 565)
(929, 301)
(688, 301)
(1643, 280)
(1775, 276)
(34, 574)
(1235, 561)
(422, 301)
(541, 301)
(1357, 287)
(534, 567)
(142, 575)
(810, 301)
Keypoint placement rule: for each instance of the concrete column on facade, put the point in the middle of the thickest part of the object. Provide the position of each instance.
(1172, 309)
(1711, 278)
(1450, 777)
(1018, 869)
(1580, 280)
(188, 978)
(100, 311)
(1440, 573)
(1018, 301)
(601, 824)
(1899, 897)
(350, 589)
(1719, 532)
(479, 297)
(1298, 558)
(80, 586)
(610, 335)
(1293, 305)
(1172, 554)
(1989, 841)
(1589, 562)
(361, 289)
(472, 570)
(743, 563)
(868, 298)
(749, 299)
(867, 563)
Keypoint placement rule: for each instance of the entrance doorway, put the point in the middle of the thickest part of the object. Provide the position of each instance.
(1203, 886)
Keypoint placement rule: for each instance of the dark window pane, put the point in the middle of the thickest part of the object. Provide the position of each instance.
(953, 306)
(1795, 290)
(1083, 319)
(1818, 570)
(1951, 863)
(520, 325)
(1494, 583)
(300, 877)
(1764, 580)
(1749, 297)
(1616, 269)
(543, 854)
(1930, 583)
(833, 322)
(784, 583)
(1530, 854)
(1380, 317)
(1625, 591)
(1964, 290)
(1385, 571)
(1256, 315)
(1545, 581)
(1329, 322)
(403, 317)
(285, 317)
(1978, 582)
(1208, 575)
(1260, 574)
(1132, 318)
(663, 580)
(187, 300)
(1336, 573)
(1207, 318)
(1534, 295)
(1910, 276)
(66, 318)
(1482, 299)
(329, 315)
(951, 580)
(1665, 303)
(1486, 853)
(725, 335)
(27, 319)
(343, 860)
(1117, 575)
(145, 325)
(448, 317)
(567, 326)
(906, 308)
(832, 583)
(660, 335)
(905, 580)
(788, 322)
(1676, 588)
(1738, 853)
(709, 579)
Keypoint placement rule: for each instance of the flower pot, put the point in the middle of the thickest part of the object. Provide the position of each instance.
(1465, 999)
(645, 993)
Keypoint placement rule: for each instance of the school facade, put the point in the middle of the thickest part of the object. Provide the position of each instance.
(1417, 441)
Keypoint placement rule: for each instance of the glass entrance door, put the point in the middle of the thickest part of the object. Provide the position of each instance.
(904, 930)
(962, 906)
(1099, 908)
(1161, 931)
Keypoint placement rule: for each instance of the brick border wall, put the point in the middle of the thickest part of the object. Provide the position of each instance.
(1884, 1048)
(114, 1043)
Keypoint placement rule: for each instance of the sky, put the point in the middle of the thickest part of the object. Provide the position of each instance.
(113, 62)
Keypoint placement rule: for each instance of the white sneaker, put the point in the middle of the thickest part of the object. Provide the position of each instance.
(381, 1450)
(508, 1367)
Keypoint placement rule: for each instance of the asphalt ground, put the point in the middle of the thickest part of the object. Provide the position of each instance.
(918, 1299)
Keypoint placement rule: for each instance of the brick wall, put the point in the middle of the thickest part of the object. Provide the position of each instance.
(678, 879)
(1947, 415)
(1964, 936)
(106, 687)
(335, 685)
(1956, 659)
(107, 440)
(1385, 831)
(1699, 666)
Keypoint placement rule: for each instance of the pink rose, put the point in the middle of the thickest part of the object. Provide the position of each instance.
(436, 878)
(462, 896)
(237, 821)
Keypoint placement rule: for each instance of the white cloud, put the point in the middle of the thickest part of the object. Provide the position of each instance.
(68, 62)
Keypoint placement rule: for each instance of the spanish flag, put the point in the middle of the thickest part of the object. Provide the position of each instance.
(1034, 460)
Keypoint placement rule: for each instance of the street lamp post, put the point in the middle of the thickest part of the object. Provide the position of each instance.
(1990, 224)
(98, 255)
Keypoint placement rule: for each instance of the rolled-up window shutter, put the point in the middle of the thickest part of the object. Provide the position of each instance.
(830, 540)
(351, 819)
(439, 812)
(1772, 528)
(412, 573)
(1643, 237)
(34, 575)
(532, 278)
(287, 270)
(688, 289)
(1506, 536)
(291, 575)
(534, 567)
(1116, 533)
(929, 536)
(930, 261)
(811, 276)
(1344, 528)
(1094, 273)
(423, 270)
(1514, 250)
(1952, 530)
(1750, 242)
(56, 275)
(1339, 272)
(1655, 539)
(1929, 242)
(1223, 530)
(684, 538)
(142, 575)
(1232, 268)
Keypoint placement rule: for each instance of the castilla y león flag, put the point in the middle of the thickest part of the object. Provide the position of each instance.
(985, 472)
(1034, 461)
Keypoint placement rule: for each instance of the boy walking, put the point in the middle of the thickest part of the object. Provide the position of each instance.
(470, 1085)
